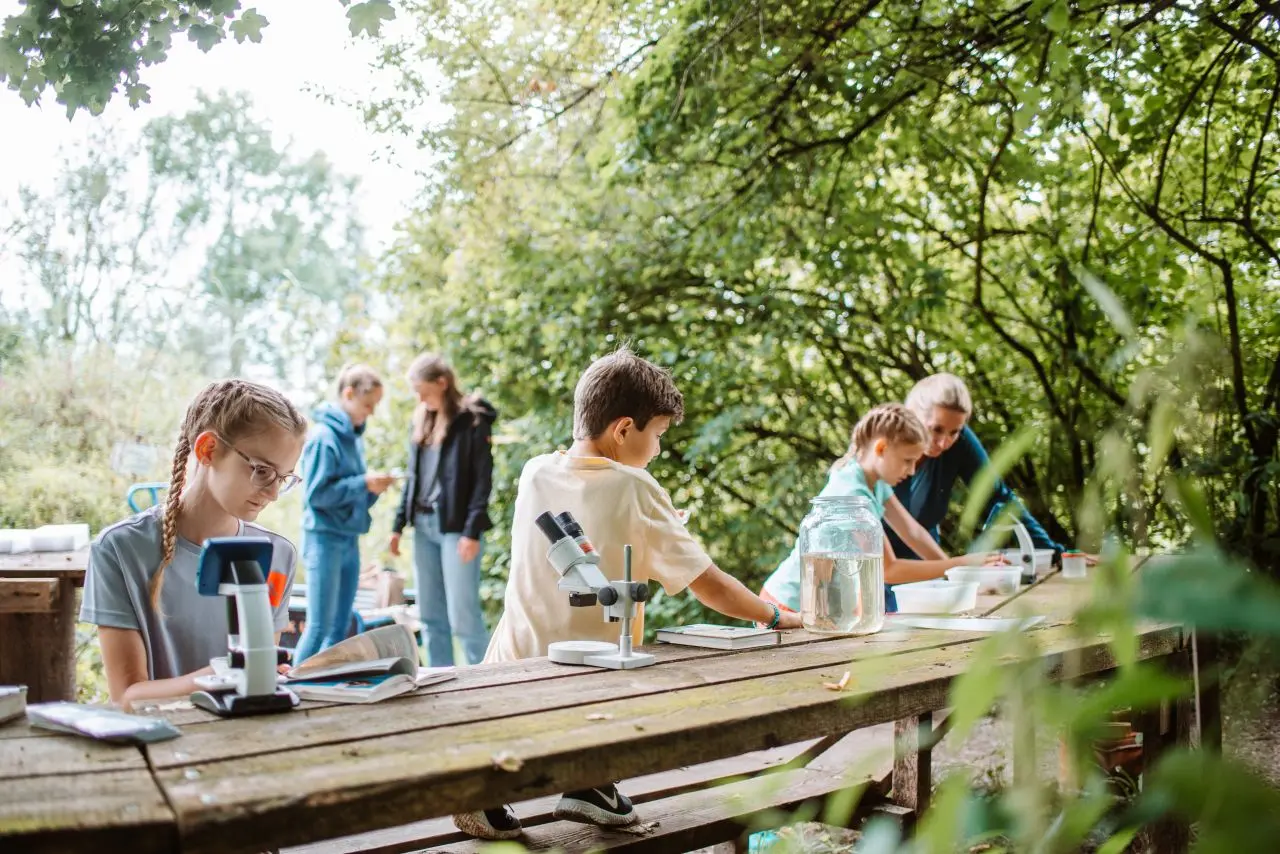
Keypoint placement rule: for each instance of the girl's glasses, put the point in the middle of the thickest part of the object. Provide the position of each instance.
(264, 476)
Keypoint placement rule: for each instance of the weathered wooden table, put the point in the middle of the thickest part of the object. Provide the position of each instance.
(38, 622)
(507, 733)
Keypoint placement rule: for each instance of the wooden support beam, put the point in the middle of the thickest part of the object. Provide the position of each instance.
(37, 636)
(913, 762)
(28, 595)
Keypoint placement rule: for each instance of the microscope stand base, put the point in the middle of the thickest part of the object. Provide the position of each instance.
(229, 704)
(616, 661)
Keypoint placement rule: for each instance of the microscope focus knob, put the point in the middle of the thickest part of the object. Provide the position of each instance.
(607, 596)
(639, 592)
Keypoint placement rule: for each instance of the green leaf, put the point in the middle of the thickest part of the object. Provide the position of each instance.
(1138, 687)
(1059, 55)
(249, 26)
(205, 36)
(1106, 300)
(138, 93)
(1160, 435)
(1210, 590)
(1233, 808)
(1191, 499)
(880, 835)
(984, 483)
(943, 824)
(12, 63)
(975, 692)
(1058, 18)
(367, 17)
(1119, 843)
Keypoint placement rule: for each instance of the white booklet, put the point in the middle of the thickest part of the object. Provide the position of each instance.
(720, 637)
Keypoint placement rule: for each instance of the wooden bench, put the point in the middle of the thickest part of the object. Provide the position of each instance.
(701, 805)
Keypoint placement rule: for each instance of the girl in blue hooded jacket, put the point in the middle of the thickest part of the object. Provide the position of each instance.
(337, 495)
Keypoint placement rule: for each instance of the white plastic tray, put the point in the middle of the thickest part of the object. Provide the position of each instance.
(938, 596)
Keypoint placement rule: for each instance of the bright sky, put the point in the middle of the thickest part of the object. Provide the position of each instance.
(307, 46)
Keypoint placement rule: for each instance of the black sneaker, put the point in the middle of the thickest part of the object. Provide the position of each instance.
(494, 824)
(605, 806)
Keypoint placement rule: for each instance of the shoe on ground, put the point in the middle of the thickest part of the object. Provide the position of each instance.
(605, 806)
(495, 824)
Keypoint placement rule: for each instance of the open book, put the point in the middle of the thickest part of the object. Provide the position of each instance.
(367, 668)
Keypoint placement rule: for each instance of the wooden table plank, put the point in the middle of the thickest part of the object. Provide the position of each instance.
(46, 564)
(64, 754)
(243, 737)
(108, 811)
(300, 795)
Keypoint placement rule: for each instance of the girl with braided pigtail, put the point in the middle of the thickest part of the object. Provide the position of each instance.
(884, 449)
(236, 452)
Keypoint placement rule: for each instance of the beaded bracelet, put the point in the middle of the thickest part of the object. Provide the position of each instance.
(777, 616)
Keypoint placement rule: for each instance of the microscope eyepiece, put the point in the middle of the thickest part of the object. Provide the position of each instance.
(550, 527)
(569, 524)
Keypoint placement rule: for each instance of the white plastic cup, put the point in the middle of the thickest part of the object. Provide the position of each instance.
(1073, 565)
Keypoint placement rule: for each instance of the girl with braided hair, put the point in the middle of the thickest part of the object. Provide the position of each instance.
(887, 444)
(236, 452)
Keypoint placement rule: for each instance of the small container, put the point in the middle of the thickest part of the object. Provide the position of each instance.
(938, 596)
(1044, 559)
(1073, 565)
(991, 579)
(841, 550)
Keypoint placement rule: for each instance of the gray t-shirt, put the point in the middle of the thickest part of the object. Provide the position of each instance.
(428, 475)
(193, 628)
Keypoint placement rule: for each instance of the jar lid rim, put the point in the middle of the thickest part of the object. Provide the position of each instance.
(841, 499)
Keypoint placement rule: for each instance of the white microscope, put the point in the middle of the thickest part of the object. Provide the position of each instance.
(1026, 548)
(237, 567)
(578, 564)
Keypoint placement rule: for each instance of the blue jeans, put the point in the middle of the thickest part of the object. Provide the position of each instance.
(448, 594)
(333, 573)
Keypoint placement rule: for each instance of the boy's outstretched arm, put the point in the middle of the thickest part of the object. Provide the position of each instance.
(720, 591)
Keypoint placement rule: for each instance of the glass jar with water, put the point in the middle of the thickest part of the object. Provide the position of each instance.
(842, 567)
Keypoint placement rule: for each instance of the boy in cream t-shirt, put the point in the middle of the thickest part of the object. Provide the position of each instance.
(621, 407)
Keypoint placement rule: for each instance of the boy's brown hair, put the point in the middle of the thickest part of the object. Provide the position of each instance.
(623, 385)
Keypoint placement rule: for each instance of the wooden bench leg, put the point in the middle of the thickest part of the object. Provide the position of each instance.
(1161, 729)
(913, 762)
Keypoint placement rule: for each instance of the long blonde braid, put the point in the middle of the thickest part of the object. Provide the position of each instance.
(231, 409)
(892, 422)
(172, 507)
